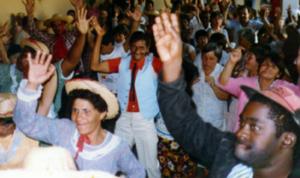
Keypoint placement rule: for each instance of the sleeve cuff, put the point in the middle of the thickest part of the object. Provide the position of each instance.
(28, 95)
(60, 73)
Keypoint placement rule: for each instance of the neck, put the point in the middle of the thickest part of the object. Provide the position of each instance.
(244, 24)
(217, 29)
(98, 137)
(264, 84)
(280, 167)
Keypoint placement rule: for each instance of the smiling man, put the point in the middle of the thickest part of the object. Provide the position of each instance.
(267, 142)
(136, 91)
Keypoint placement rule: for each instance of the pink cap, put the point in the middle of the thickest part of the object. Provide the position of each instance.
(281, 95)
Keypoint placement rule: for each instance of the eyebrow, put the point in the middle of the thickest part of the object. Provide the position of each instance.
(252, 119)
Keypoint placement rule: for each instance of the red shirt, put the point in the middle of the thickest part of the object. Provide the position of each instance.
(113, 64)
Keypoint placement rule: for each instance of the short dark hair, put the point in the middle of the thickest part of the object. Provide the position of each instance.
(242, 8)
(258, 51)
(248, 34)
(277, 60)
(121, 29)
(218, 38)
(201, 33)
(107, 39)
(213, 47)
(140, 36)
(96, 100)
(216, 14)
(23, 55)
(282, 118)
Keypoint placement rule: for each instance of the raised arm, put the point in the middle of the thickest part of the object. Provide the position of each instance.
(48, 95)
(31, 27)
(198, 138)
(96, 63)
(25, 116)
(77, 4)
(74, 54)
(136, 18)
(221, 95)
(4, 32)
(234, 57)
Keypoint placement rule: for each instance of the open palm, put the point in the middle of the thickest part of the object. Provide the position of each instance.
(82, 23)
(167, 38)
(40, 68)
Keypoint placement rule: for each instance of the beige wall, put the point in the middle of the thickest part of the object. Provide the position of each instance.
(44, 8)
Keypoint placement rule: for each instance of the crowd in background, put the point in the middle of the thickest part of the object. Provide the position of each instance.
(224, 47)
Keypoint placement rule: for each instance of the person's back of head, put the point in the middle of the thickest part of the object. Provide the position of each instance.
(219, 39)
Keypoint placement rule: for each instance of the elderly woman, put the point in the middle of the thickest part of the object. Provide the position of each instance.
(92, 147)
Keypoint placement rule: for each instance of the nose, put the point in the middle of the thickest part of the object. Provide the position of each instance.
(76, 116)
(243, 133)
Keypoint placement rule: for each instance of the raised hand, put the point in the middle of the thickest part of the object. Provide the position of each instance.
(29, 6)
(95, 24)
(167, 37)
(40, 69)
(4, 29)
(235, 55)
(168, 44)
(77, 3)
(136, 15)
(82, 22)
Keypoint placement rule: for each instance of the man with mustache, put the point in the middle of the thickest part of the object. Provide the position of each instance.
(267, 142)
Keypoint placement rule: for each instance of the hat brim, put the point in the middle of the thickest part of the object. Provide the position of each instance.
(97, 88)
(250, 92)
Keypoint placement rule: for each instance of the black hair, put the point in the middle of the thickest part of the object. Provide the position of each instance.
(277, 60)
(282, 118)
(247, 34)
(23, 55)
(240, 9)
(140, 36)
(14, 49)
(218, 38)
(121, 29)
(258, 51)
(216, 14)
(107, 39)
(201, 33)
(213, 47)
(96, 100)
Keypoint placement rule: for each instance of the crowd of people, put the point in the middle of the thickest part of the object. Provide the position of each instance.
(194, 90)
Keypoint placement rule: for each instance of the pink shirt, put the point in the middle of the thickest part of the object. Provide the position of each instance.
(233, 87)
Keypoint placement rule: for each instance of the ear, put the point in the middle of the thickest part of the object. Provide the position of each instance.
(288, 139)
(102, 115)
